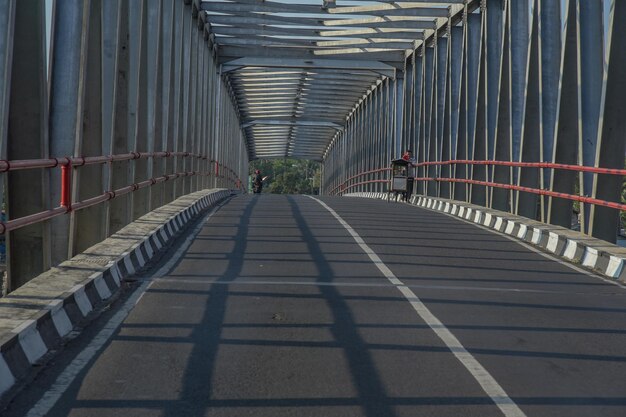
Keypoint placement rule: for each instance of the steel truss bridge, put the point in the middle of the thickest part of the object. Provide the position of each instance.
(113, 108)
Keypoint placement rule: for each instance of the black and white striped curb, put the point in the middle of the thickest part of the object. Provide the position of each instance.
(607, 259)
(28, 331)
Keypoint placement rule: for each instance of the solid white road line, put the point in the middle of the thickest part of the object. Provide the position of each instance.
(63, 382)
(480, 374)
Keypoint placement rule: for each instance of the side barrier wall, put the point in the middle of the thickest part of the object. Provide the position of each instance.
(133, 84)
(495, 106)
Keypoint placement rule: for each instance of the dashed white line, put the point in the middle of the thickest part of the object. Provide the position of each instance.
(480, 374)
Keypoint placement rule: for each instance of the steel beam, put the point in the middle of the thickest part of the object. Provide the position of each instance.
(612, 136)
(67, 103)
(527, 203)
(28, 249)
(568, 132)
(88, 226)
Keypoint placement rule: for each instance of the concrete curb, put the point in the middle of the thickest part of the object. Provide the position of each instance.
(602, 257)
(37, 316)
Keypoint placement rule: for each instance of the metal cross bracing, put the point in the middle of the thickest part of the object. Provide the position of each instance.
(518, 107)
(299, 68)
(112, 108)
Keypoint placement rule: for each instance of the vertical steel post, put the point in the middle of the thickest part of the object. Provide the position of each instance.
(139, 101)
(169, 97)
(457, 41)
(501, 198)
(120, 207)
(26, 130)
(592, 74)
(156, 166)
(66, 104)
(527, 203)
(568, 130)
(442, 103)
(88, 226)
(612, 131)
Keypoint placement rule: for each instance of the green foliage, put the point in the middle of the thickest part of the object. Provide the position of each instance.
(288, 176)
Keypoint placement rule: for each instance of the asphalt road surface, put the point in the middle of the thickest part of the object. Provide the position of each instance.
(277, 308)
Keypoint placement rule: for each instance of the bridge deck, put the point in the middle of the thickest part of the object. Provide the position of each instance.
(275, 310)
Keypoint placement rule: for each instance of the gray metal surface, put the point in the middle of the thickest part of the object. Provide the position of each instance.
(520, 81)
(275, 311)
(289, 51)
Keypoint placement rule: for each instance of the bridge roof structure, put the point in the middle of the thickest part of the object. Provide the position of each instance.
(299, 68)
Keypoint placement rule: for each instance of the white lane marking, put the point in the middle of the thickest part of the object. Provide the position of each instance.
(63, 382)
(480, 374)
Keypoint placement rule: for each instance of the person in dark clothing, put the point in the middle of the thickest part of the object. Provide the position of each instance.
(408, 156)
(257, 183)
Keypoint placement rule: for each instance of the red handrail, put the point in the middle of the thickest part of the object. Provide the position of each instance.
(550, 165)
(67, 163)
(589, 200)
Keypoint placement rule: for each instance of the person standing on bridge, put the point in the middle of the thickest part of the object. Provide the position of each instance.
(257, 183)
(408, 156)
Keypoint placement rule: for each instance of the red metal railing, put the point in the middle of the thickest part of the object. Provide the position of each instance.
(579, 168)
(583, 199)
(68, 163)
